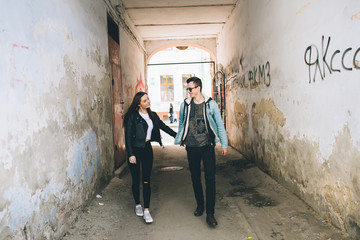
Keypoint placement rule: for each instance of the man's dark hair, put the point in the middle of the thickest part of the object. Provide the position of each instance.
(196, 81)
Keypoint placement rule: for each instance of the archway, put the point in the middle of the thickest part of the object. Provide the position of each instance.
(181, 44)
(168, 68)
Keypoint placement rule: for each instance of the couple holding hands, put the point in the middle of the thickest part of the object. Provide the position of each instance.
(200, 128)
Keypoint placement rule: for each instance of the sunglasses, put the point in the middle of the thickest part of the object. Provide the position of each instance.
(190, 88)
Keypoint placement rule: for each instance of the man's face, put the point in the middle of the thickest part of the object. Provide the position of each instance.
(192, 89)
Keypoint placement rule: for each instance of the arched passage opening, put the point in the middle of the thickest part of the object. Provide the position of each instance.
(181, 44)
(170, 66)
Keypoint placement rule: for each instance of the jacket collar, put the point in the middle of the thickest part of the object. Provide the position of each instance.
(188, 99)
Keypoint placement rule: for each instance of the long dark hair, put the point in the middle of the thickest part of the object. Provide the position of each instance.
(135, 107)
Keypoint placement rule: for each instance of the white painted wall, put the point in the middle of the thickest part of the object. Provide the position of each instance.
(304, 132)
(132, 68)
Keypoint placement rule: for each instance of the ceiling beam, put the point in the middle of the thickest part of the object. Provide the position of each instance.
(190, 36)
(187, 6)
(178, 24)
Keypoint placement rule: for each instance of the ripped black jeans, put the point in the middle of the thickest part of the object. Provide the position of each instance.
(145, 158)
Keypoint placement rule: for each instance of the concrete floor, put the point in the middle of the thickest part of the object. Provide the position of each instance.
(250, 205)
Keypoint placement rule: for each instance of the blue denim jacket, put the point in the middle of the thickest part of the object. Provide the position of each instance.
(213, 117)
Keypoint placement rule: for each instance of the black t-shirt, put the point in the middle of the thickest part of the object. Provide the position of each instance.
(197, 136)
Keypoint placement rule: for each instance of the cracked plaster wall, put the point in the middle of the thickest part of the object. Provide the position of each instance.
(298, 118)
(56, 120)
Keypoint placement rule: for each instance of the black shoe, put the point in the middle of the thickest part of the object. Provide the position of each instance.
(199, 211)
(210, 219)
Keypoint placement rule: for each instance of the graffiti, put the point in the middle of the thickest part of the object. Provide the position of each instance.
(313, 60)
(262, 77)
(140, 86)
(128, 90)
(255, 77)
(14, 62)
(241, 61)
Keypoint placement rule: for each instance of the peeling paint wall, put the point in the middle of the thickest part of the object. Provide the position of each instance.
(56, 117)
(132, 68)
(292, 74)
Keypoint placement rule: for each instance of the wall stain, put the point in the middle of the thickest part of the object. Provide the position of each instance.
(241, 115)
(96, 55)
(238, 118)
(268, 108)
(341, 192)
(78, 104)
(355, 16)
(302, 8)
(353, 226)
(331, 187)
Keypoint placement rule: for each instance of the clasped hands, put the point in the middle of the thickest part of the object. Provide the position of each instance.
(132, 159)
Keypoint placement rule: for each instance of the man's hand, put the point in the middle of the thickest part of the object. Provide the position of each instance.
(132, 159)
(224, 151)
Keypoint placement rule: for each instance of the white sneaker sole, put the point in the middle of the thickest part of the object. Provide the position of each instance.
(150, 221)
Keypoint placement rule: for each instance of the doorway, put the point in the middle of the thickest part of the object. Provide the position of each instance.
(116, 93)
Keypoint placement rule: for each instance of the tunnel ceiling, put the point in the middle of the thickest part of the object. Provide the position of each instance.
(178, 19)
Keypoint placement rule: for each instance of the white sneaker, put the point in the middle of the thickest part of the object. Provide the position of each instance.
(147, 217)
(139, 211)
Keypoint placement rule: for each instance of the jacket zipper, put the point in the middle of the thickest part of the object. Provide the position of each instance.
(187, 121)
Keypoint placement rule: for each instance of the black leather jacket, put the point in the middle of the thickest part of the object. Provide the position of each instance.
(136, 128)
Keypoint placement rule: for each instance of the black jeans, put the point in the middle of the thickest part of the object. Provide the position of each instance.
(207, 154)
(144, 157)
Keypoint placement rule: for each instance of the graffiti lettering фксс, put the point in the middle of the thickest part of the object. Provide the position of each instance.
(313, 60)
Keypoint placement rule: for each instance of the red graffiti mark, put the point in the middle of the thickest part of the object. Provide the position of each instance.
(140, 86)
(17, 45)
(19, 80)
(128, 90)
(14, 45)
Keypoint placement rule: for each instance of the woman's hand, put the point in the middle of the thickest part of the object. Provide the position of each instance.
(132, 159)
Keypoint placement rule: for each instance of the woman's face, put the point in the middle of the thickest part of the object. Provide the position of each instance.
(144, 102)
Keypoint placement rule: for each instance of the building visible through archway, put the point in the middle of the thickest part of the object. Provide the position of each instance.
(168, 71)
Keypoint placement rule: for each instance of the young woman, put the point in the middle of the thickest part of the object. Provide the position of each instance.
(141, 127)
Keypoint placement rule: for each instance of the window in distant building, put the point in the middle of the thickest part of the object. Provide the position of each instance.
(184, 78)
(167, 87)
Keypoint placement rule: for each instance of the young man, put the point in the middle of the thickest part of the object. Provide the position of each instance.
(200, 128)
